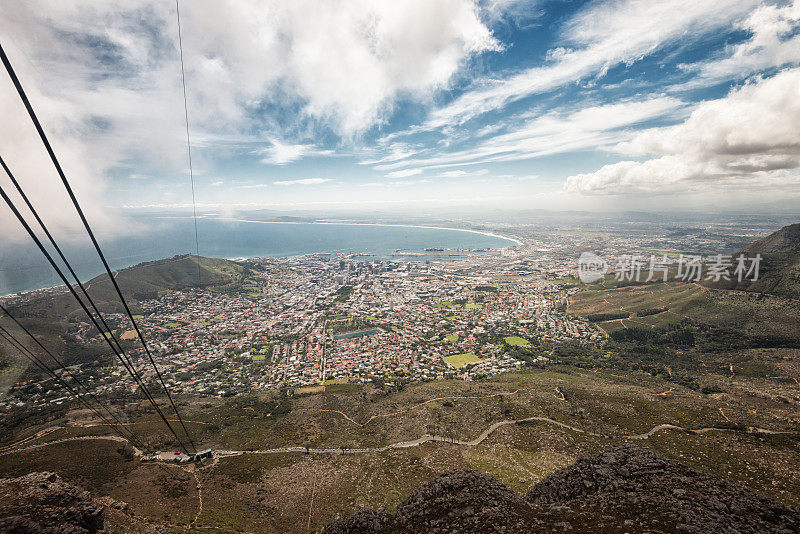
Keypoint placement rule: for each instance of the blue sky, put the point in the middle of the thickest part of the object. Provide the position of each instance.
(334, 105)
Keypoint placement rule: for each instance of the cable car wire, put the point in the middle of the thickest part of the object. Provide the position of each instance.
(47, 255)
(188, 142)
(62, 366)
(54, 159)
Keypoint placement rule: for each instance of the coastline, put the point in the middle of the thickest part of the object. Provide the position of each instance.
(516, 242)
(512, 242)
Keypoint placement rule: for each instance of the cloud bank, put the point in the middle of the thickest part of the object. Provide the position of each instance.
(750, 136)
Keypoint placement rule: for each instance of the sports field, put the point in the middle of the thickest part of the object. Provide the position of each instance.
(460, 360)
(516, 341)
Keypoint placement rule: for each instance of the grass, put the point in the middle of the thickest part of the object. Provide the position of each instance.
(750, 314)
(336, 381)
(473, 306)
(308, 390)
(516, 341)
(460, 360)
(452, 338)
(257, 357)
(128, 334)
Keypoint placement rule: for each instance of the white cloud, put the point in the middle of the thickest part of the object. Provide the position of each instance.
(303, 181)
(774, 42)
(280, 153)
(405, 173)
(105, 79)
(558, 131)
(453, 174)
(750, 137)
(343, 63)
(603, 35)
(459, 173)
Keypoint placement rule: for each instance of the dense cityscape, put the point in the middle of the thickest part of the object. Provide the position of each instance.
(310, 320)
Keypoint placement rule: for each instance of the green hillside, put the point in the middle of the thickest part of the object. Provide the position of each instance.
(142, 281)
(147, 280)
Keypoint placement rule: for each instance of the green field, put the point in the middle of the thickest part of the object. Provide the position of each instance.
(473, 306)
(460, 360)
(516, 341)
(257, 357)
(451, 338)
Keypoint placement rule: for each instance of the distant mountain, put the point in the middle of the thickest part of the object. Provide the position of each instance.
(628, 488)
(779, 272)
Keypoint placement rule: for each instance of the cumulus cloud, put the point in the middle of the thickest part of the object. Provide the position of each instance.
(343, 62)
(749, 137)
(303, 181)
(105, 79)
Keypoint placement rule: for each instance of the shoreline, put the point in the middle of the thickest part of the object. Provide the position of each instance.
(516, 242)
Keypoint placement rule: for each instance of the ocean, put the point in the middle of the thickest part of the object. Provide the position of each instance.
(23, 268)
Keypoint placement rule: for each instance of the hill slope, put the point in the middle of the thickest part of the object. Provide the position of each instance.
(627, 488)
(779, 273)
(142, 281)
(146, 280)
(48, 316)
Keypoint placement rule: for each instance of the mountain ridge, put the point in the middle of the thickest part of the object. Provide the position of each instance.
(779, 269)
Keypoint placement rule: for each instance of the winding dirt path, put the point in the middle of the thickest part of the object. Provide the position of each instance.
(424, 439)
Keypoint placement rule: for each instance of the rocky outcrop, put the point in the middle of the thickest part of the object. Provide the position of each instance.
(625, 489)
(43, 503)
(475, 501)
(630, 486)
(459, 501)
